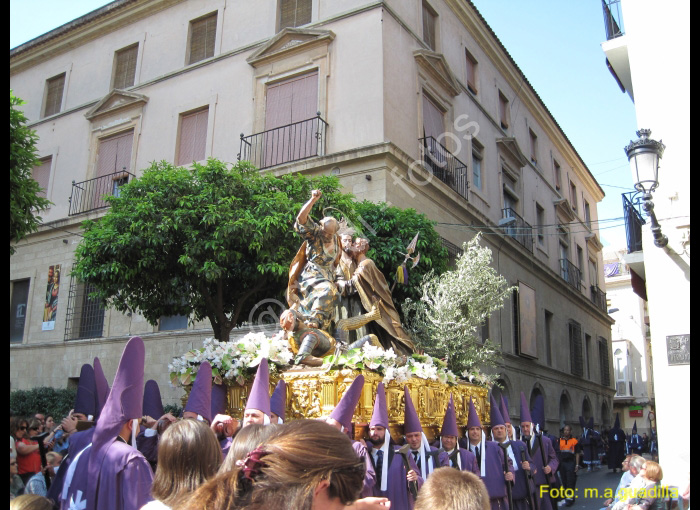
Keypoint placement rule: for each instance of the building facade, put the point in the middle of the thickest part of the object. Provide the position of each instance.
(416, 104)
(641, 35)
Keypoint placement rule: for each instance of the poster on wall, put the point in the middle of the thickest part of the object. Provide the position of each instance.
(51, 304)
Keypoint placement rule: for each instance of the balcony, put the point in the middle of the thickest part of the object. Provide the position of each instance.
(444, 165)
(633, 221)
(570, 273)
(90, 195)
(293, 142)
(612, 16)
(599, 298)
(516, 227)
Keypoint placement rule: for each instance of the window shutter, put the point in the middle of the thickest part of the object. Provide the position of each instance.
(54, 94)
(202, 38)
(428, 27)
(125, 67)
(115, 154)
(433, 124)
(294, 13)
(41, 175)
(193, 137)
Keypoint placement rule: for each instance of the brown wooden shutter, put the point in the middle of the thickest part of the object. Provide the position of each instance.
(433, 123)
(428, 27)
(41, 175)
(54, 94)
(193, 137)
(125, 67)
(471, 72)
(294, 13)
(115, 154)
(202, 38)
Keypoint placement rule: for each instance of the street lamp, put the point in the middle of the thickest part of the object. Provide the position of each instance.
(644, 155)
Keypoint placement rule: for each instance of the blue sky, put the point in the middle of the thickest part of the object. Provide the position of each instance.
(555, 43)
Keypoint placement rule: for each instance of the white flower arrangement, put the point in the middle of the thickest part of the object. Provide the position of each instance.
(236, 360)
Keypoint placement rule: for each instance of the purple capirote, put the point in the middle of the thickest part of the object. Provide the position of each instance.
(380, 415)
(346, 407)
(85, 396)
(504, 410)
(199, 401)
(278, 400)
(496, 416)
(525, 416)
(473, 419)
(101, 386)
(411, 423)
(219, 399)
(152, 403)
(449, 423)
(259, 397)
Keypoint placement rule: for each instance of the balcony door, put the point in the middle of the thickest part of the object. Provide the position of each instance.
(291, 124)
(113, 158)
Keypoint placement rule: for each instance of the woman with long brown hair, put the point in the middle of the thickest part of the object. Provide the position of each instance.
(307, 465)
(188, 455)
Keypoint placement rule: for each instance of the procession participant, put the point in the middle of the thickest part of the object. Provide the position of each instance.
(510, 429)
(101, 387)
(198, 405)
(311, 288)
(223, 426)
(517, 458)
(257, 408)
(616, 445)
(110, 472)
(634, 442)
(569, 457)
(374, 294)
(544, 461)
(341, 418)
(459, 458)
(590, 444)
(541, 423)
(490, 458)
(428, 458)
(393, 478)
(278, 402)
(155, 421)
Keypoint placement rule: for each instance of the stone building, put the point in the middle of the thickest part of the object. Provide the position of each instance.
(415, 103)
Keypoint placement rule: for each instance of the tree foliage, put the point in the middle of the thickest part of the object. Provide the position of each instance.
(452, 308)
(24, 199)
(390, 230)
(49, 401)
(207, 242)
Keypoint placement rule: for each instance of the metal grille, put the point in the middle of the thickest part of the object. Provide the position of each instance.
(85, 315)
(570, 273)
(293, 142)
(599, 298)
(444, 165)
(633, 221)
(453, 251)
(518, 228)
(576, 347)
(612, 17)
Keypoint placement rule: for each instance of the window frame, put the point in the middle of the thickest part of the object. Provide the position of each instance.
(115, 65)
(430, 22)
(48, 95)
(178, 146)
(503, 110)
(280, 10)
(471, 64)
(191, 29)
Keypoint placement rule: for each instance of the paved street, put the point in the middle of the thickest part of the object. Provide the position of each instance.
(598, 481)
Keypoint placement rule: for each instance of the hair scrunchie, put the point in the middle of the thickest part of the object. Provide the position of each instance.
(250, 467)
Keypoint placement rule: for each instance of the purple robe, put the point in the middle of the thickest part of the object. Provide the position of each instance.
(148, 446)
(370, 477)
(78, 441)
(495, 479)
(397, 486)
(124, 480)
(468, 461)
(541, 478)
(591, 445)
(522, 488)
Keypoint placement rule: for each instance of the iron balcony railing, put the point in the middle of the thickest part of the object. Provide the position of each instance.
(90, 195)
(570, 273)
(516, 227)
(633, 221)
(612, 15)
(293, 142)
(444, 165)
(599, 298)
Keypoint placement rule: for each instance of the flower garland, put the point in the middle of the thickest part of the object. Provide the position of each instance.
(237, 361)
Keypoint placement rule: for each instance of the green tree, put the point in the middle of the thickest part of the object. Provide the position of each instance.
(390, 230)
(208, 242)
(24, 199)
(453, 306)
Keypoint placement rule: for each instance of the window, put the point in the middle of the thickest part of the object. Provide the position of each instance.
(84, 315)
(483, 331)
(433, 119)
(540, 224)
(587, 213)
(575, 348)
(54, 94)
(557, 175)
(429, 26)
(533, 147)
(193, 137)
(113, 159)
(503, 110)
(471, 72)
(172, 322)
(18, 309)
(125, 67)
(294, 13)
(202, 38)
(588, 356)
(604, 361)
(41, 175)
(477, 159)
(515, 303)
(574, 198)
(580, 261)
